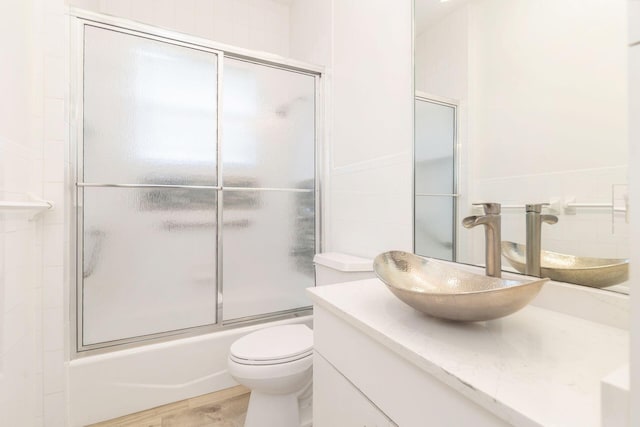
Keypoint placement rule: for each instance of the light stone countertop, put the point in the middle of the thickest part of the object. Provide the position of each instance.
(534, 367)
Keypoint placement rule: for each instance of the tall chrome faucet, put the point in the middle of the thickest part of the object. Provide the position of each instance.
(534, 236)
(492, 239)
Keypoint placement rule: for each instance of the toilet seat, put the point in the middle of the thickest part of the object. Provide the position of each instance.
(274, 345)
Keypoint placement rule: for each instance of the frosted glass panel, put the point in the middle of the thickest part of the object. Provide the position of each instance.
(269, 243)
(268, 121)
(149, 111)
(434, 227)
(434, 148)
(149, 261)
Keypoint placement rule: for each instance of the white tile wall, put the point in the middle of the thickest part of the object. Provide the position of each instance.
(583, 232)
(441, 57)
(21, 172)
(55, 347)
(261, 25)
(369, 201)
(310, 37)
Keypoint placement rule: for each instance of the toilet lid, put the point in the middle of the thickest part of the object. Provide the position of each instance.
(274, 344)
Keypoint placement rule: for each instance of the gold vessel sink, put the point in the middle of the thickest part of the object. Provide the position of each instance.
(594, 272)
(439, 290)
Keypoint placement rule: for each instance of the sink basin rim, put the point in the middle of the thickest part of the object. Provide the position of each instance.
(499, 298)
(610, 272)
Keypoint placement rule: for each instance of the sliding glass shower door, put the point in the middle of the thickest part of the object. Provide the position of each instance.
(268, 174)
(148, 186)
(196, 188)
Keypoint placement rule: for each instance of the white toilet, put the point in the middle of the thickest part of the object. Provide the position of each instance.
(276, 362)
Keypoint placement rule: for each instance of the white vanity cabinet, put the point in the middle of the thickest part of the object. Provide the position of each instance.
(359, 382)
(378, 362)
(337, 402)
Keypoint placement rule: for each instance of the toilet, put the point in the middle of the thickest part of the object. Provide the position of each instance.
(276, 362)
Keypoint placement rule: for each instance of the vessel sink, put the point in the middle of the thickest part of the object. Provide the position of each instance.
(594, 272)
(443, 291)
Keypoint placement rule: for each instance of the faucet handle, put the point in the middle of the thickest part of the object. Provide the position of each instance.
(490, 208)
(535, 207)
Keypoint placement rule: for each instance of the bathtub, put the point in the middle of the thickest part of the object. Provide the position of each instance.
(110, 385)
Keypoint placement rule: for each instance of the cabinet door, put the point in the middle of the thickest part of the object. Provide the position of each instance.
(337, 402)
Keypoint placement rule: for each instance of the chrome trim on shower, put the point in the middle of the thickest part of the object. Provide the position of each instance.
(193, 187)
(189, 332)
(289, 190)
(220, 200)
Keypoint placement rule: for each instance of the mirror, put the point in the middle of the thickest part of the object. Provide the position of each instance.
(522, 102)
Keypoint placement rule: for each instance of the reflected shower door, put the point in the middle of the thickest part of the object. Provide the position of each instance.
(149, 194)
(435, 185)
(268, 171)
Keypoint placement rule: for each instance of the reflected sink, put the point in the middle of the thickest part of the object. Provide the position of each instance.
(439, 290)
(594, 272)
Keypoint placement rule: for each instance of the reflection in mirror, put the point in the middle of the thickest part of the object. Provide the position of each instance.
(434, 177)
(541, 94)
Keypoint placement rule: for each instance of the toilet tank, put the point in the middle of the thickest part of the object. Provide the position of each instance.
(336, 267)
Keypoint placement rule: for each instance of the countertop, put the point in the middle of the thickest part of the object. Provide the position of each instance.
(534, 367)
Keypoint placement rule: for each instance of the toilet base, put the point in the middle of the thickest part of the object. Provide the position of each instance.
(272, 410)
(305, 405)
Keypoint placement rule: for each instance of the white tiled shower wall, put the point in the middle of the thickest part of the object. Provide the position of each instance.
(32, 135)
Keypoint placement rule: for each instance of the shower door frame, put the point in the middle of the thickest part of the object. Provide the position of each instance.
(455, 195)
(78, 19)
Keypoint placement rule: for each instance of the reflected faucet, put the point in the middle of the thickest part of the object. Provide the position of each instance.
(492, 239)
(534, 236)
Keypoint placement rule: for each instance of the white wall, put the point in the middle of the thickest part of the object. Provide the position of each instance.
(31, 161)
(634, 183)
(261, 25)
(310, 35)
(546, 87)
(370, 154)
(20, 241)
(441, 59)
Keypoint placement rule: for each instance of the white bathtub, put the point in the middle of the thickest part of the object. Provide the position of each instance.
(122, 382)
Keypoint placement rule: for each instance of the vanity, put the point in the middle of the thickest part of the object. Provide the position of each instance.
(379, 362)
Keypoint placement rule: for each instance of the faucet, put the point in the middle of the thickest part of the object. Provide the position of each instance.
(534, 236)
(491, 222)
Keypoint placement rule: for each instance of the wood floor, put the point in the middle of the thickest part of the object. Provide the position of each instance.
(224, 408)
